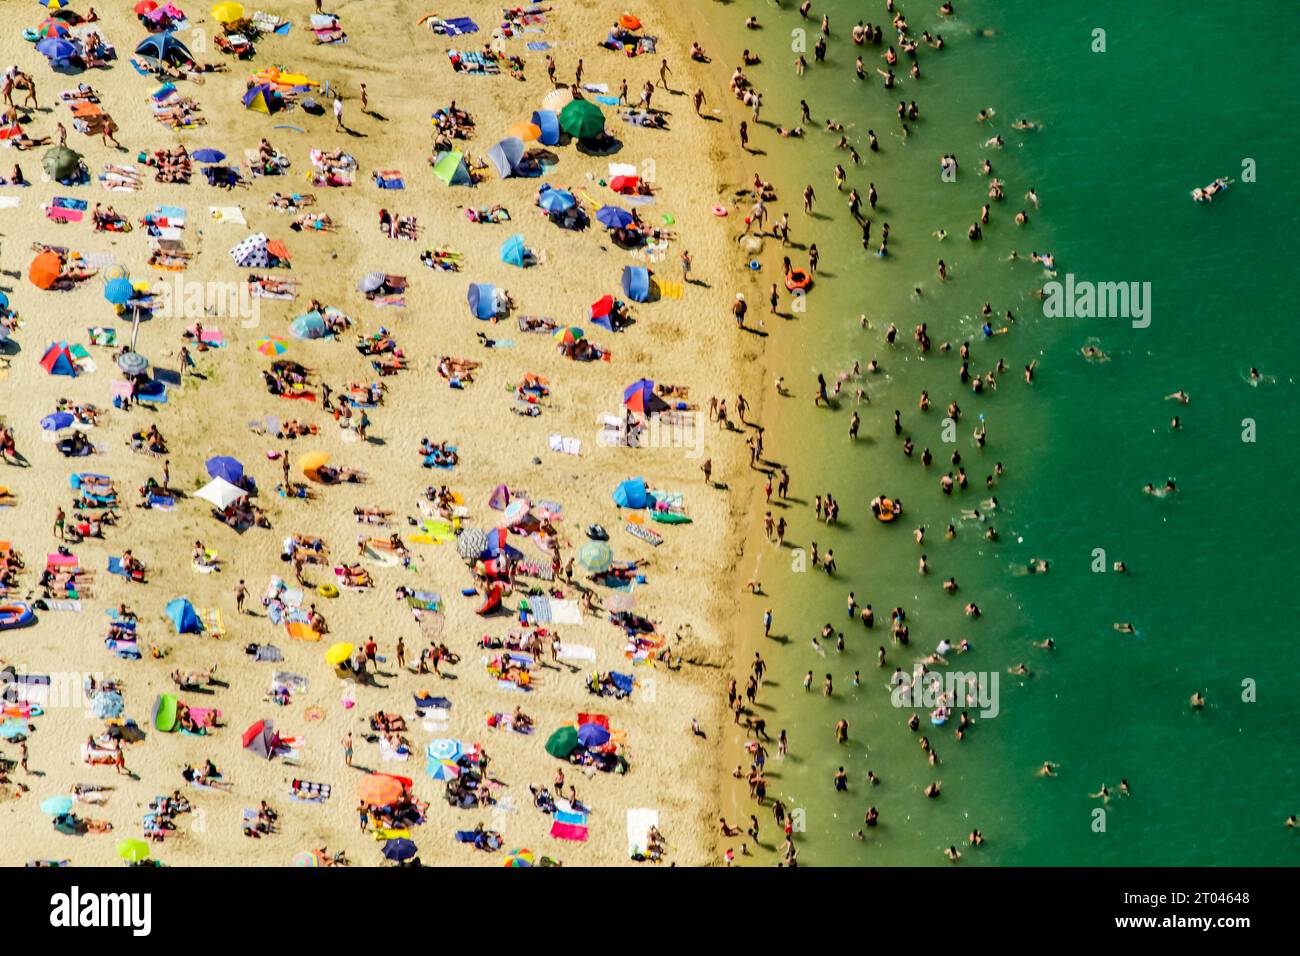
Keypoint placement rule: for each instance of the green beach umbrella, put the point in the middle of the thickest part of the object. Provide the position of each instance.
(563, 742)
(60, 162)
(595, 556)
(582, 119)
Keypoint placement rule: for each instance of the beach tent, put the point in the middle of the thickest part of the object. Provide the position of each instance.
(451, 169)
(614, 217)
(556, 200)
(505, 156)
(164, 713)
(631, 494)
(251, 253)
(514, 252)
(58, 360)
(309, 326)
(263, 98)
(224, 467)
(60, 162)
(499, 498)
(636, 283)
(261, 739)
(164, 47)
(482, 300)
(640, 397)
(220, 493)
(549, 124)
(582, 119)
(184, 617)
(56, 421)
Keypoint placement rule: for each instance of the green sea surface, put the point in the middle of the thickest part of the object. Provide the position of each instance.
(1181, 94)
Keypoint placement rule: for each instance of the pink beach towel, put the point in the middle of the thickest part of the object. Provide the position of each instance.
(569, 831)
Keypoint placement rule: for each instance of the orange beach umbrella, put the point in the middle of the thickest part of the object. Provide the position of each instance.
(45, 270)
(528, 132)
(380, 790)
(629, 22)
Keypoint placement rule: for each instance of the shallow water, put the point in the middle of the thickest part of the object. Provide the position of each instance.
(1127, 133)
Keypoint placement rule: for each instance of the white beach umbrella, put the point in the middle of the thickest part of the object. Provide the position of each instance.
(220, 493)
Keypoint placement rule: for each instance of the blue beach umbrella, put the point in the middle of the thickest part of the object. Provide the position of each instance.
(56, 421)
(513, 251)
(224, 467)
(208, 155)
(556, 200)
(4, 301)
(55, 48)
(482, 300)
(56, 806)
(309, 326)
(614, 217)
(444, 748)
(636, 283)
(399, 850)
(118, 291)
(593, 735)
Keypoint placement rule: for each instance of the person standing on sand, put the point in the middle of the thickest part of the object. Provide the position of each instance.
(707, 468)
(365, 101)
(401, 653)
(338, 113)
(241, 595)
(347, 748)
(744, 136)
(686, 265)
(698, 100)
(738, 310)
(664, 72)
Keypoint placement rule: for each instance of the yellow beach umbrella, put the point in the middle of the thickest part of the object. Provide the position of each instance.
(528, 132)
(228, 12)
(339, 652)
(313, 462)
(133, 850)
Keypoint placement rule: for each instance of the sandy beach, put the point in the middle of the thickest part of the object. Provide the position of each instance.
(687, 341)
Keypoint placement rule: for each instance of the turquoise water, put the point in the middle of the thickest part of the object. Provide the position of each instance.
(1127, 133)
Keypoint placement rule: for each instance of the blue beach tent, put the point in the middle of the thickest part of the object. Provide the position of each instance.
(636, 283)
(631, 493)
(549, 123)
(184, 617)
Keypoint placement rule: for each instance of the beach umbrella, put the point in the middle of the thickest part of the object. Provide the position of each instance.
(56, 806)
(513, 251)
(593, 735)
(118, 291)
(228, 12)
(595, 556)
(270, 345)
(225, 467)
(640, 395)
(519, 858)
(143, 7)
(380, 790)
(45, 269)
(514, 513)
(444, 748)
(313, 462)
(261, 739)
(132, 363)
(482, 300)
(629, 21)
(625, 184)
(443, 769)
(220, 493)
(563, 742)
(371, 281)
(601, 307)
(570, 335)
(309, 326)
(56, 421)
(52, 4)
(505, 155)
(399, 850)
(553, 102)
(207, 155)
(59, 161)
(582, 119)
(528, 132)
(556, 200)
(53, 28)
(636, 283)
(470, 543)
(307, 858)
(56, 48)
(133, 850)
(614, 217)
(339, 652)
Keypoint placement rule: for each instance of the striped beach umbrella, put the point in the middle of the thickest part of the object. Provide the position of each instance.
(595, 556)
(570, 335)
(271, 345)
(443, 769)
(470, 543)
(307, 858)
(520, 858)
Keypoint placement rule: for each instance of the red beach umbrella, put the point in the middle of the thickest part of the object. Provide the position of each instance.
(624, 184)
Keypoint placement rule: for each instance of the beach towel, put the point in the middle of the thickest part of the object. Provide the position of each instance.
(536, 46)
(301, 632)
(10, 202)
(569, 831)
(565, 612)
(268, 652)
(567, 446)
(389, 179)
(213, 624)
(639, 822)
(308, 792)
(576, 652)
(228, 214)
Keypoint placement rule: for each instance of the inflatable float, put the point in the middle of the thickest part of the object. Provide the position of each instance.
(888, 512)
(15, 615)
(798, 280)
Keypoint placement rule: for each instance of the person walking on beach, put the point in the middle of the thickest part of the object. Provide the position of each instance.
(338, 113)
(809, 194)
(686, 265)
(744, 136)
(241, 595)
(664, 72)
(550, 70)
(738, 310)
(707, 468)
(365, 101)
(698, 100)
(347, 748)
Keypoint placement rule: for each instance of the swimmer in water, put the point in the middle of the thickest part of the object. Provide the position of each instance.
(1197, 701)
(1094, 354)
(1103, 794)
(1025, 124)
(1047, 644)
(1181, 397)
(1048, 769)
(1124, 627)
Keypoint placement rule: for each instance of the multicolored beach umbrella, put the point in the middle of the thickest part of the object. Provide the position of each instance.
(271, 345)
(443, 769)
(570, 335)
(307, 858)
(640, 396)
(519, 858)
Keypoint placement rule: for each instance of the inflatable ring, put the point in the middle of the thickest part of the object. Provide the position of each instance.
(327, 590)
(755, 265)
(719, 210)
(797, 280)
